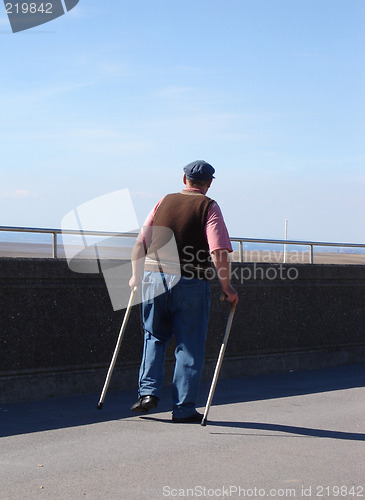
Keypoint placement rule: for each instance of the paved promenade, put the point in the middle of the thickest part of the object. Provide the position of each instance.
(291, 435)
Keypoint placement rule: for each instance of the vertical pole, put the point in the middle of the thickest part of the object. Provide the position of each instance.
(285, 237)
(240, 253)
(54, 245)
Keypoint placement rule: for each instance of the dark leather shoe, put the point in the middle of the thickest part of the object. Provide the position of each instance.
(194, 418)
(144, 404)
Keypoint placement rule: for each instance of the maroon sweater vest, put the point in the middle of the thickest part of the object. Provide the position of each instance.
(185, 214)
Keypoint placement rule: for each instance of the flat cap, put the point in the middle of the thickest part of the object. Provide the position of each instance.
(199, 170)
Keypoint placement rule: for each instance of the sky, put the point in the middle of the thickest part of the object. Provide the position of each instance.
(122, 94)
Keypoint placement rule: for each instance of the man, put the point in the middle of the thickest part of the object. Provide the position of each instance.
(183, 308)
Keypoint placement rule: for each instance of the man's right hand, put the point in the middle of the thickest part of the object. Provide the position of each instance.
(231, 295)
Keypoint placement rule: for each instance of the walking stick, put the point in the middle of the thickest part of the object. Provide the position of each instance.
(219, 363)
(116, 350)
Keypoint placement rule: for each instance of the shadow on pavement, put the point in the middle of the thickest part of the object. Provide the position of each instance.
(37, 416)
(291, 430)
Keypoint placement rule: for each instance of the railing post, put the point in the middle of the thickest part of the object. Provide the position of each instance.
(54, 245)
(240, 251)
(311, 254)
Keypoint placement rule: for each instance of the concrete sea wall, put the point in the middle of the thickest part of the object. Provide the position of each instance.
(58, 329)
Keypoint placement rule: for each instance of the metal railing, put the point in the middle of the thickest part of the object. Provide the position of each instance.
(310, 244)
(56, 232)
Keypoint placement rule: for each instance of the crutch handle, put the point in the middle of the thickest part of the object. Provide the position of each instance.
(223, 297)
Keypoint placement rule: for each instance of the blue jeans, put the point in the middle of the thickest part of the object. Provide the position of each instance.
(183, 311)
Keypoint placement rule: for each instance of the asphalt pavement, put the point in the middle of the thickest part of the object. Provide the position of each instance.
(289, 435)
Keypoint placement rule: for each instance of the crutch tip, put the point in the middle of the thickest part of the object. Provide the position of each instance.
(204, 422)
(100, 406)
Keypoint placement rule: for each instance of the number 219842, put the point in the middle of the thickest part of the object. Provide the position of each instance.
(28, 8)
